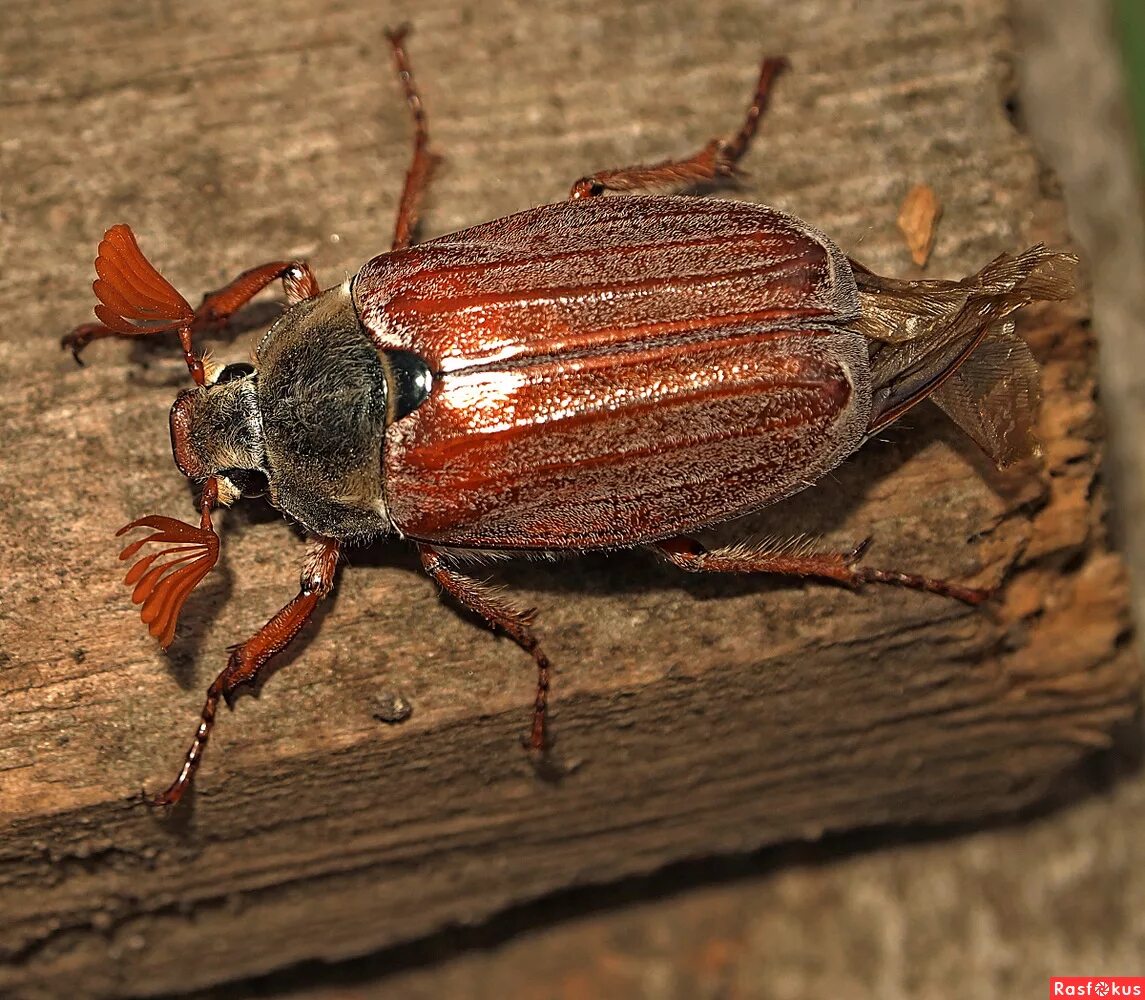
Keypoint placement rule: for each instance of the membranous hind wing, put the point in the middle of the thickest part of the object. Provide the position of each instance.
(952, 341)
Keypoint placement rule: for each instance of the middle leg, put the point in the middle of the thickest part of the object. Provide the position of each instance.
(484, 601)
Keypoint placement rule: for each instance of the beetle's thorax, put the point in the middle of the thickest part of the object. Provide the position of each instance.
(322, 398)
(309, 415)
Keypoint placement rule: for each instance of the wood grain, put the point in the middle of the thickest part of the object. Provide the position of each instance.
(696, 716)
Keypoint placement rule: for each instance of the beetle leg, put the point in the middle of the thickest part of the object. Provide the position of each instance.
(483, 600)
(843, 567)
(423, 161)
(136, 301)
(248, 658)
(715, 161)
(298, 282)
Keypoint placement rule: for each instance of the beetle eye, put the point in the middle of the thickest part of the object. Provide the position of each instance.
(411, 382)
(249, 482)
(241, 369)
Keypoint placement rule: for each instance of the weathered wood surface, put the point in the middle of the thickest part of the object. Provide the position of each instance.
(702, 716)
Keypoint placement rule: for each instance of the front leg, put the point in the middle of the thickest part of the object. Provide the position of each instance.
(248, 658)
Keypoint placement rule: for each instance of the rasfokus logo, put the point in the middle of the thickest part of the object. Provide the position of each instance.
(1097, 986)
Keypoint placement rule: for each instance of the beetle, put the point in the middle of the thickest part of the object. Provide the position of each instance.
(600, 373)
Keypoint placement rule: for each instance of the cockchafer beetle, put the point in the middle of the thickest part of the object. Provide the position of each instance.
(599, 373)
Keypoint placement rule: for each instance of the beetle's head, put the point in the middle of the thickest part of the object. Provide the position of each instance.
(216, 430)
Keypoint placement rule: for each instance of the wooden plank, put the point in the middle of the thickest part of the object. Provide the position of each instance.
(697, 716)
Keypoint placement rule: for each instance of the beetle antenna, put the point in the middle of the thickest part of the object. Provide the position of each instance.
(136, 300)
(163, 588)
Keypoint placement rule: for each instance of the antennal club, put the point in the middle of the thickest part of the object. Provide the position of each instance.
(136, 300)
(161, 587)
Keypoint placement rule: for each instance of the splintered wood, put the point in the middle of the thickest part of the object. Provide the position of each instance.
(918, 221)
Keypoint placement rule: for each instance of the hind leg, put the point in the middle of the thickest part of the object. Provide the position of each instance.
(713, 162)
(842, 567)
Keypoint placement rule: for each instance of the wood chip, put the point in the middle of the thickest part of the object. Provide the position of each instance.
(918, 219)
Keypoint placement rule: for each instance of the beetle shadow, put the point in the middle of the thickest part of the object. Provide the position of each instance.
(204, 603)
(816, 511)
(195, 620)
(820, 510)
